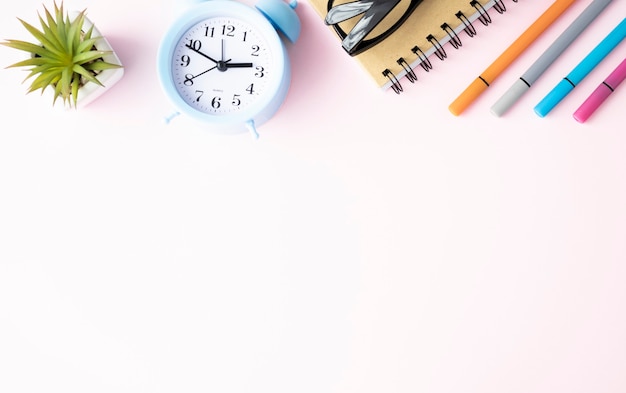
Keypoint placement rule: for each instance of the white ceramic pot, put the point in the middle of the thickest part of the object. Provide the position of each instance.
(90, 91)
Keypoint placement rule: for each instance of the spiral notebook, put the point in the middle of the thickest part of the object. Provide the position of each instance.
(392, 38)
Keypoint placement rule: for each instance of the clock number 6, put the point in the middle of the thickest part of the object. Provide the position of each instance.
(215, 102)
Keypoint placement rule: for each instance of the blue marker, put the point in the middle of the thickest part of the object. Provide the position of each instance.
(579, 73)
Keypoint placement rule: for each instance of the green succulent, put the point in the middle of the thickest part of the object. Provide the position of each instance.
(65, 57)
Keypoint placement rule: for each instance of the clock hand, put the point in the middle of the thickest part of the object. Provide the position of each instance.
(189, 46)
(238, 65)
(224, 65)
(204, 72)
(221, 65)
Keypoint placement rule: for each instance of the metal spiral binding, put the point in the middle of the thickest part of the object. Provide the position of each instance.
(469, 29)
(484, 17)
(454, 39)
(424, 60)
(410, 74)
(499, 6)
(440, 52)
(395, 83)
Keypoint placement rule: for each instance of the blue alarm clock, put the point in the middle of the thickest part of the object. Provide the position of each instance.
(223, 62)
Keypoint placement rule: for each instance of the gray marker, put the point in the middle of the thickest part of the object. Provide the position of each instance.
(522, 85)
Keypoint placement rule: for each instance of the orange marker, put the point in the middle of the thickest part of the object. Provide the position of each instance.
(508, 56)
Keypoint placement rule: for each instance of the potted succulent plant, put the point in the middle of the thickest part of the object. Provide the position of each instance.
(71, 58)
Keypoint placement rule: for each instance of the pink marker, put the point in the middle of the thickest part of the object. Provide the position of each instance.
(601, 93)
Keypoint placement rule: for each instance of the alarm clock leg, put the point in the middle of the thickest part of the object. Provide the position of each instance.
(171, 117)
(250, 126)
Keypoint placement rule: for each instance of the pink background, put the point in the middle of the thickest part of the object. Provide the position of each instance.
(367, 242)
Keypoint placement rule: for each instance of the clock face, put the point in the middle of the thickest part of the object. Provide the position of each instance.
(223, 65)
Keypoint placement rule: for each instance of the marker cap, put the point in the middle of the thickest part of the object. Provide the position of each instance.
(510, 97)
(553, 98)
(592, 103)
(468, 96)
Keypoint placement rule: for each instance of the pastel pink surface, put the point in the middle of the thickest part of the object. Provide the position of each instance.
(367, 242)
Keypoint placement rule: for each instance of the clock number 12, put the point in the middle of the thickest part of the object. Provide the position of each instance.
(227, 30)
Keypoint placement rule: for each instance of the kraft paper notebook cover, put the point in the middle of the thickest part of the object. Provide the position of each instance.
(390, 38)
